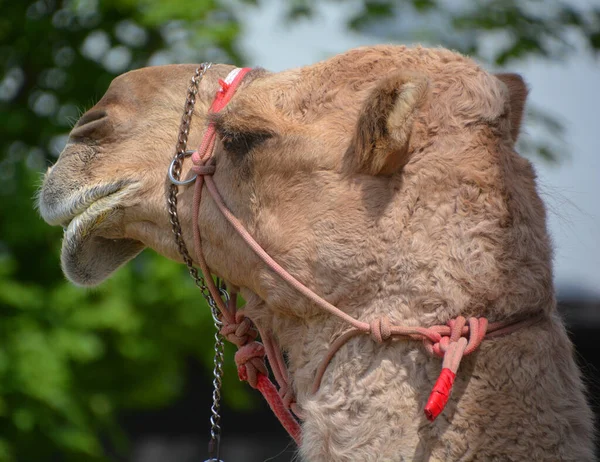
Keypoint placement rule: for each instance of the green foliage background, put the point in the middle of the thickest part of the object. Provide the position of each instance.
(72, 359)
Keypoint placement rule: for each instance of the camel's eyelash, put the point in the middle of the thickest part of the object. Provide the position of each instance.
(240, 144)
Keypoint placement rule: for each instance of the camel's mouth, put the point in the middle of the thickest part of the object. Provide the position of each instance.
(88, 258)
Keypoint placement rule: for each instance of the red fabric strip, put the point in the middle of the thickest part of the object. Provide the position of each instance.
(440, 394)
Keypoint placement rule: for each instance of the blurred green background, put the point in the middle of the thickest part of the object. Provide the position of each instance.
(73, 360)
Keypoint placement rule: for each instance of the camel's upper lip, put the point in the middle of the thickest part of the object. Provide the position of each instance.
(63, 211)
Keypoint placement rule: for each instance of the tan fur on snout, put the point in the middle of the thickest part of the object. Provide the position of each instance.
(386, 180)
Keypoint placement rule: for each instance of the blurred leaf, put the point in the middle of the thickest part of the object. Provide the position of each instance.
(372, 12)
(154, 12)
(595, 40)
(6, 451)
(299, 9)
(78, 441)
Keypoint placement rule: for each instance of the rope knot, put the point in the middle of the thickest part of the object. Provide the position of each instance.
(196, 158)
(240, 332)
(456, 340)
(473, 334)
(250, 362)
(380, 329)
(203, 170)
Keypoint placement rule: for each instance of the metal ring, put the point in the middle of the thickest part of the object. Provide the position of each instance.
(170, 172)
(214, 308)
(224, 294)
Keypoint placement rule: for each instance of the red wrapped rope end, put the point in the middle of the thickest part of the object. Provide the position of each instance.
(440, 394)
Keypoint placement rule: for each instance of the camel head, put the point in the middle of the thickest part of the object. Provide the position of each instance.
(106, 189)
(385, 179)
(353, 170)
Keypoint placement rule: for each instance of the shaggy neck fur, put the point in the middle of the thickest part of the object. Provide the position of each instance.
(370, 404)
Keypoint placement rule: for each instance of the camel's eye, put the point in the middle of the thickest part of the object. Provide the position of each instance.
(240, 144)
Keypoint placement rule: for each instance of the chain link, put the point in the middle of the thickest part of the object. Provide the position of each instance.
(175, 171)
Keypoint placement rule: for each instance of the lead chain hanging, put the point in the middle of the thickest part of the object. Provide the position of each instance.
(174, 174)
(215, 419)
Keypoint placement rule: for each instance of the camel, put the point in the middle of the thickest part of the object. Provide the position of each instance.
(386, 180)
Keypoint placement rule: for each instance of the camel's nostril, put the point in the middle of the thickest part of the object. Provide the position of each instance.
(90, 116)
(91, 125)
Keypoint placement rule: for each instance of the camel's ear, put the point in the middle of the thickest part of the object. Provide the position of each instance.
(517, 91)
(380, 143)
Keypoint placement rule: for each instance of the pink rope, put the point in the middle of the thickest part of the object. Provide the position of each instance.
(237, 328)
(266, 387)
(275, 359)
(436, 338)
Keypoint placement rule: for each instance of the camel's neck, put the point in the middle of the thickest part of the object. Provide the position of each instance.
(353, 401)
(360, 382)
(370, 403)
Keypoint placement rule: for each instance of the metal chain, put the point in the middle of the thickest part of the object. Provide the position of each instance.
(180, 153)
(215, 419)
(175, 171)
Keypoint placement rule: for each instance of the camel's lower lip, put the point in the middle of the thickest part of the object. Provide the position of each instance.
(87, 258)
(90, 260)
